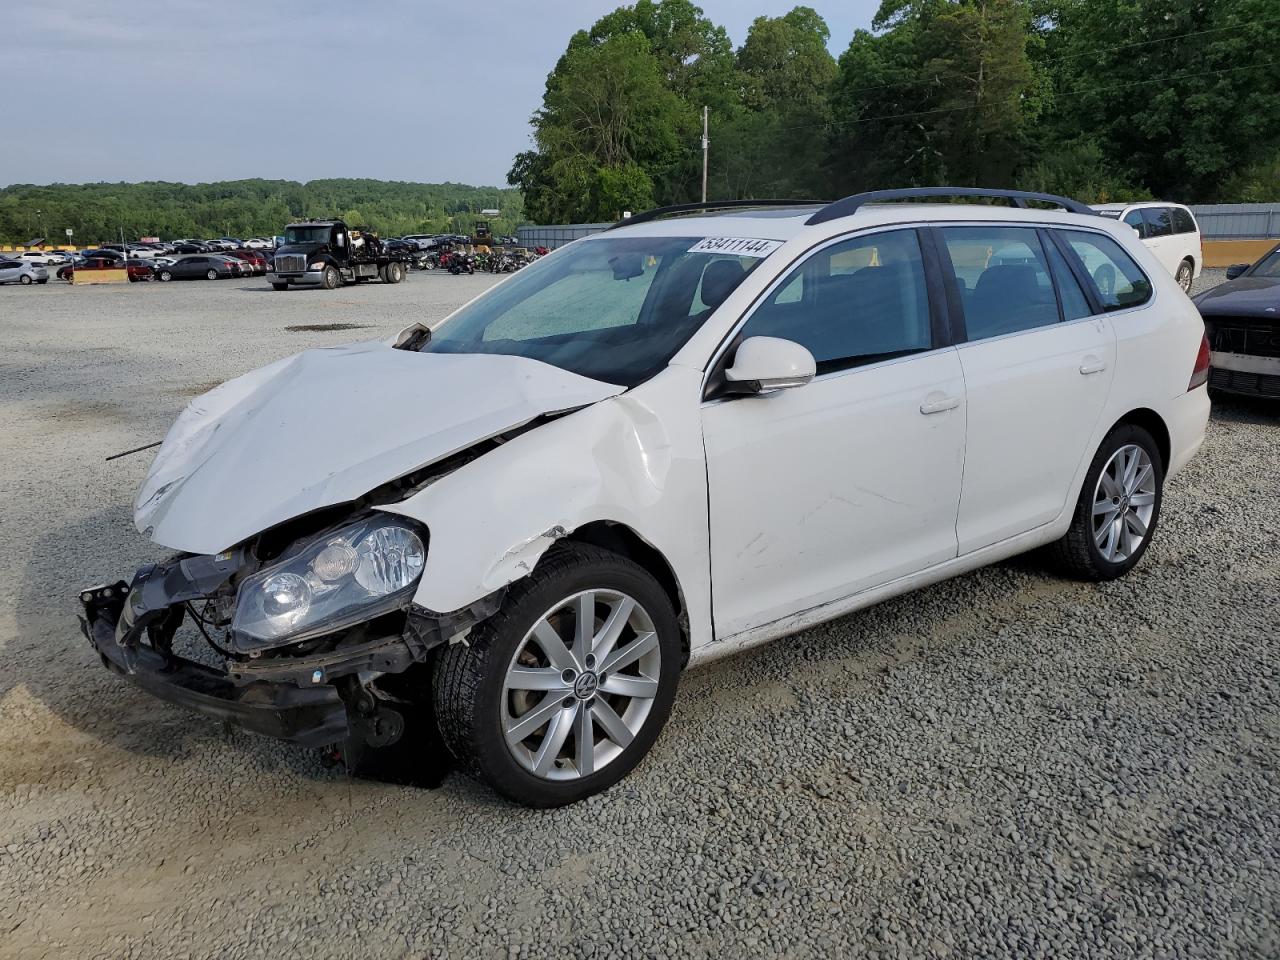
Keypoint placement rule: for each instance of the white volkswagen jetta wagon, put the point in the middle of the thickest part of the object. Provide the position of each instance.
(692, 433)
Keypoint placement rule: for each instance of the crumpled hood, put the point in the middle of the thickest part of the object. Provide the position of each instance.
(1243, 297)
(327, 426)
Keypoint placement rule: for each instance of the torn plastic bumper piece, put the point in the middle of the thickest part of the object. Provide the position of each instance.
(310, 716)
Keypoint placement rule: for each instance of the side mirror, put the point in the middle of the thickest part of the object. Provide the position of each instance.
(765, 364)
(1236, 269)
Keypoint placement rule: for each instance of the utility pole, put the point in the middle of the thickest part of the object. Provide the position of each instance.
(705, 144)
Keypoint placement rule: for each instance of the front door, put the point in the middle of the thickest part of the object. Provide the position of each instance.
(825, 490)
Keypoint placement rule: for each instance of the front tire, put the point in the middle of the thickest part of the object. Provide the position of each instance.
(1118, 510)
(164, 276)
(331, 280)
(563, 691)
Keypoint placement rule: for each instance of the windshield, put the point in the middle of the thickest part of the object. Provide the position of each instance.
(1268, 266)
(317, 234)
(614, 309)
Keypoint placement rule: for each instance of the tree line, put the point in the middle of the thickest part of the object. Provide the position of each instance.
(98, 212)
(1097, 99)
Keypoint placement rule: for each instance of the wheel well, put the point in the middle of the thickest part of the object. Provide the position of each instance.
(622, 540)
(1151, 422)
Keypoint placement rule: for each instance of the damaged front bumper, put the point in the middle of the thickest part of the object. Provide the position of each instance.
(311, 716)
(328, 696)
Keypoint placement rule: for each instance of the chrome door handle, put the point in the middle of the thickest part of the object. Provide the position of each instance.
(939, 406)
(1092, 365)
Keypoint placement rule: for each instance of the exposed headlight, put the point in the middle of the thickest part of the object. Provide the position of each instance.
(338, 579)
(318, 265)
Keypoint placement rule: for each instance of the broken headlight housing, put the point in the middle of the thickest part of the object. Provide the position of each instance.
(335, 580)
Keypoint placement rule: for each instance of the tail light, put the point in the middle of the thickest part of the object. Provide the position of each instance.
(1200, 374)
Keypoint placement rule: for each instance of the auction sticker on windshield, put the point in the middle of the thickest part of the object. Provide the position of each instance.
(738, 246)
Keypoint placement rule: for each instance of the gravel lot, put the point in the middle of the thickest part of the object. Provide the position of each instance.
(1007, 764)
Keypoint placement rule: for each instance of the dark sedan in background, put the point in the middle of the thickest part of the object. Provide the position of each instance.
(1242, 320)
(201, 267)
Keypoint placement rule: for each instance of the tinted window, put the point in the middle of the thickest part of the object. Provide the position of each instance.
(1135, 219)
(1117, 280)
(1183, 222)
(1159, 221)
(854, 302)
(1074, 303)
(1003, 277)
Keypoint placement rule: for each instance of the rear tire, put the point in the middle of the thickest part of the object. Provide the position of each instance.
(479, 704)
(1185, 275)
(25, 280)
(1118, 510)
(395, 273)
(164, 276)
(211, 275)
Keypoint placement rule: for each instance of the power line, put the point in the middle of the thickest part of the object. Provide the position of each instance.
(956, 75)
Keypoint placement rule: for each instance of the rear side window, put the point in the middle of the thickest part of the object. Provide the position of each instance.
(1003, 276)
(1183, 222)
(1118, 281)
(1159, 221)
(855, 302)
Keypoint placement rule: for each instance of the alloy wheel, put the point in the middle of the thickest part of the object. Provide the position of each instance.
(1123, 503)
(1184, 277)
(581, 684)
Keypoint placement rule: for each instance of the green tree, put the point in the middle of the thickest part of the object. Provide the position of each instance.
(1185, 94)
(606, 132)
(946, 93)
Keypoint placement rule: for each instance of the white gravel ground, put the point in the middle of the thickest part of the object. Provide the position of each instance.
(1006, 765)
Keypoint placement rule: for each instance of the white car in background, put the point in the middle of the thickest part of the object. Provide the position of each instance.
(257, 243)
(1169, 230)
(41, 257)
(676, 439)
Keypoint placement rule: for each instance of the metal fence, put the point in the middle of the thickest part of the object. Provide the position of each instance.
(552, 237)
(1218, 221)
(1238, 221)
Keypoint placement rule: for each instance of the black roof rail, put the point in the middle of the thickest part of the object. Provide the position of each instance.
(675, 208)
(1016, 198)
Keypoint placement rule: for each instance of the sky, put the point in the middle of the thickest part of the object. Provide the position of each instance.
(192, 91)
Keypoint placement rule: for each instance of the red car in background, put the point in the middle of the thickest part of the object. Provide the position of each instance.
(253, 260)
(138, 269)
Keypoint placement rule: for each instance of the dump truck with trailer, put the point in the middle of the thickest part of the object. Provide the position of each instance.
(329, 254)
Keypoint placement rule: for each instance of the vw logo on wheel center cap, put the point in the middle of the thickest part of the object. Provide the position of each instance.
(584, 688)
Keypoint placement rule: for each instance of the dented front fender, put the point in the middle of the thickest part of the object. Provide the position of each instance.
(636, 459)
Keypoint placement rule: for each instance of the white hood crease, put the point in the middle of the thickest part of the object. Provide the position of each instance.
(327, 426)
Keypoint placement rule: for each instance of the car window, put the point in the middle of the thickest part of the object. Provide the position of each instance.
(612, 308)
(1135, 219)
(1075, 305)
(1117, 280)
(854, 302)
(1183, 222)
(1159, 222)
(1003, 276)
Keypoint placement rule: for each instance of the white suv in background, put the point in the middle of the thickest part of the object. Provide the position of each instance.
(1169, 230)
(678, 438)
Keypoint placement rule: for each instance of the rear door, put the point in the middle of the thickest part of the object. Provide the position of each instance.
(1037, 371)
